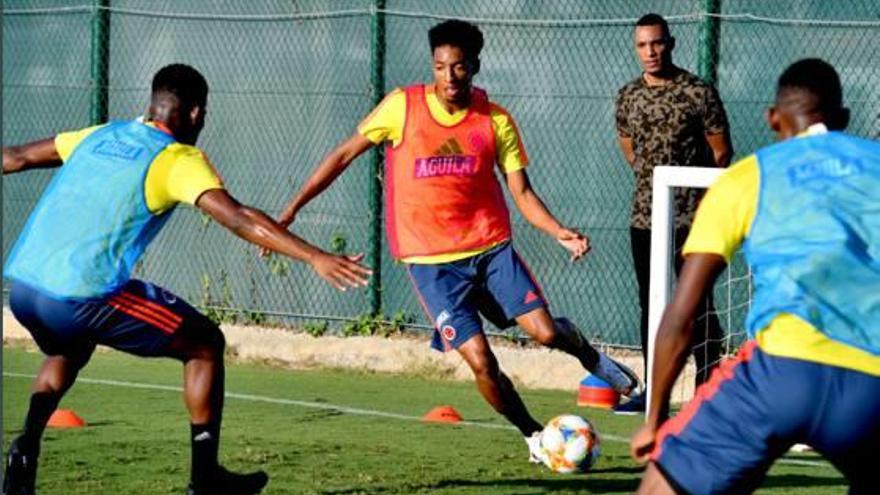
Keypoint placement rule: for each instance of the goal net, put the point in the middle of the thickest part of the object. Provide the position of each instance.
(719, 328)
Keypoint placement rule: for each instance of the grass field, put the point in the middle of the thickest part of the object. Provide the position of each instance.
(320, 432)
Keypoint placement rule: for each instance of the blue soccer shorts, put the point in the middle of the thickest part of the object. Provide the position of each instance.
(755, 407)
(141, 319)
(496, 283)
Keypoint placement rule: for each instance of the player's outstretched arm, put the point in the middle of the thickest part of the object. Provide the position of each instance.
(327, 171)
(256, 227)
(535, 211)
(37, 154)
(673, 343)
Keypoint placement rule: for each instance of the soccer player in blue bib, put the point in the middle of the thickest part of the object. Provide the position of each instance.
(806, 212)
(70, 270)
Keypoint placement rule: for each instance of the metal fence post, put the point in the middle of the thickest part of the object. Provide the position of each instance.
(100, 61)
(710, 31)
(377, 86)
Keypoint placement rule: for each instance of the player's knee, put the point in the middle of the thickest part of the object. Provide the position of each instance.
(654, 483)
(539, 325)
(57, 375)
(544, 335)
(203, 343)
(485, 369)
(215, 342)
(50, 385)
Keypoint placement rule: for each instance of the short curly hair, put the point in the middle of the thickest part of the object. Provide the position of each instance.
(184, 82)
(815, 77)
(457, 33)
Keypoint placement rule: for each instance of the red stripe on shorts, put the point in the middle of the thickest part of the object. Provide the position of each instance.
(141, 316)
(146, 303)
(145, 314)
(723, 373)
(532, 277)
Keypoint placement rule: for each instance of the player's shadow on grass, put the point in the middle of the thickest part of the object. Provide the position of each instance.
(105, 422)
(317, 415)
(590, 484)
(796, 480)
(91, 424)
(511, 486)
(578, 484)
(621, 469)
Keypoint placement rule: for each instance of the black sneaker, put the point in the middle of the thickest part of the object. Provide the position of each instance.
(635, 405)
(226, 482)
(21, 471)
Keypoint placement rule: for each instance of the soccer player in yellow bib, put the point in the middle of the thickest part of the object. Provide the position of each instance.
(806, 212)
(70, 269)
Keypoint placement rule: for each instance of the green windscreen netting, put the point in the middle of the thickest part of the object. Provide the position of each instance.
(290, 79)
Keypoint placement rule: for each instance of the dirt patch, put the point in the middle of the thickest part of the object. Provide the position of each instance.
(529, 367)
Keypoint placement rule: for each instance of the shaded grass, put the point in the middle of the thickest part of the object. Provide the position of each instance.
(137, 439)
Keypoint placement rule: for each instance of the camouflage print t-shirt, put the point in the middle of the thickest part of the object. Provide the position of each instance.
(668, 124)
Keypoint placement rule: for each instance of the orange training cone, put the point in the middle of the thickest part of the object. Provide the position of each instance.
(65, 418)
(442, 414)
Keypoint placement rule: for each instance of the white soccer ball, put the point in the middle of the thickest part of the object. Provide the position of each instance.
(570, 443)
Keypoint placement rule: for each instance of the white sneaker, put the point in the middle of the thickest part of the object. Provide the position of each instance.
(536, 454)
(619, 376)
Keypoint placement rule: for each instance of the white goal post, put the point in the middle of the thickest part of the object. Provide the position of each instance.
(666, 178)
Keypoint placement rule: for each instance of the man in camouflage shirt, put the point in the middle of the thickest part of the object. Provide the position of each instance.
(668, 116)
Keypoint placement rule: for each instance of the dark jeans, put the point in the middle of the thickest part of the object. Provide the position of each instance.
(706, 344)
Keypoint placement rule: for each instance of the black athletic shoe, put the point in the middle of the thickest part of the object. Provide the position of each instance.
(636, 405)
(226, 482)
(21, 472)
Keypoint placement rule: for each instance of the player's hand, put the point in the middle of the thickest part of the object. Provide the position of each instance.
(576, 243)
(341, 271)
(642, 444)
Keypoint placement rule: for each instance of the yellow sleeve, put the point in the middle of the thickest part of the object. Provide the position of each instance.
(179, 174)
(66, 142)
(385, 122)
(509, 150)
(726, 212)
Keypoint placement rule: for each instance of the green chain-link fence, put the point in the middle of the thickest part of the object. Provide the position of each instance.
(289, 79)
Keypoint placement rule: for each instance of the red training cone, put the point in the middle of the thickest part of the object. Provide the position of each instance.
(442, 414)
(65, 418)
(593, 392)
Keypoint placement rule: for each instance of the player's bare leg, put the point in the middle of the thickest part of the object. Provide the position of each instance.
(561, 334)
(541, 327)
(204, 376)
(654, 483)
(57, 374)
(499, 392)
(495, 386)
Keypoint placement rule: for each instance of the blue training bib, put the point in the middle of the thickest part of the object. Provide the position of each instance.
(92, 224)
(814, 245)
